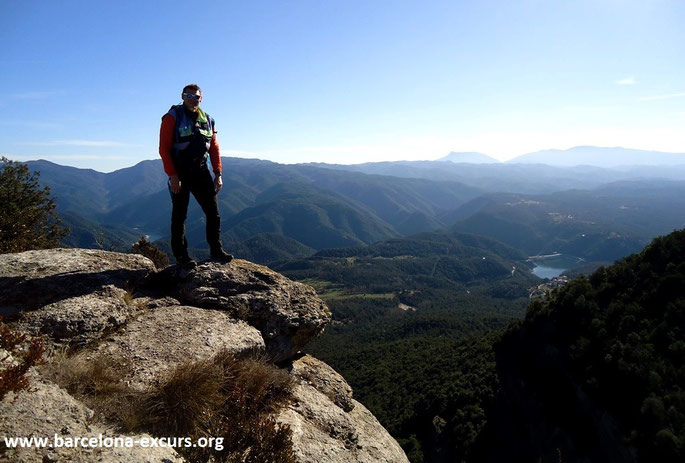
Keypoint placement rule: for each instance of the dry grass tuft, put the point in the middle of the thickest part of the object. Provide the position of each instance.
(180, 406)
(223, 397)
(228, 397)
(95, 380)
(128, 298)
(266, 386)
(83, 375)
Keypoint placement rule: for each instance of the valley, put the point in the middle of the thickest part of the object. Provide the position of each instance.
(426, 266)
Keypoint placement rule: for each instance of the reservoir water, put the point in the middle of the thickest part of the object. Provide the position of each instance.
(554, 265)
(544, 271)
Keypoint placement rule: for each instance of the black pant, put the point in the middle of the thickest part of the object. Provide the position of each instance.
(201, 185)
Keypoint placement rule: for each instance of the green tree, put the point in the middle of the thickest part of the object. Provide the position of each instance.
(27, 213)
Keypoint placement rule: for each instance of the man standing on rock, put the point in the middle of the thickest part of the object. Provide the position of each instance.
(186, 138)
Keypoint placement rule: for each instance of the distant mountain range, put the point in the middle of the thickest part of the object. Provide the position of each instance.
(321, 206)
(603, 224)
(600, 157)
(579, 156)
(316, 207)
(470, 158)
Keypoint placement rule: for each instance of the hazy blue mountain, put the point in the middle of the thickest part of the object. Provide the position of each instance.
(417, 222)
(78, 190)
(314, 217)
(144, 178)
(150, 213)
(514, 178)
(401, 202)
(84, 233)
(137, 198)
(330, 206)
(603, 224)
(543, 172)
(470, 158)
(600, 157)
(88, 192)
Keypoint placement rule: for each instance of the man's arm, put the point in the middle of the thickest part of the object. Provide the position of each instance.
(215, 154)
(215, 158)
(166, 142)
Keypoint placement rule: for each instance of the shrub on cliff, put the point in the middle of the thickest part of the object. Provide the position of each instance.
(27, 213)
(152, 252)
(13, 370)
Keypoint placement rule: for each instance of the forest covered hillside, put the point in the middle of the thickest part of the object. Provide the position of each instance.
(596, 371)
(593, 373)
(414, 323)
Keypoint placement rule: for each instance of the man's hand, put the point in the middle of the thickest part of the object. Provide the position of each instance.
(175, 184)
(218, 183)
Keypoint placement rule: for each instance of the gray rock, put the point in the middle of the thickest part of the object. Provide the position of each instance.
(161, 339)
(324, 431)
(324, 379)
(25, 414)
(71, 295)
(81, 319)
(288, 314)
(155, 302)
(32, 279)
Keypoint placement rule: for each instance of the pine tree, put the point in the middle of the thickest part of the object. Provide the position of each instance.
(27, 213)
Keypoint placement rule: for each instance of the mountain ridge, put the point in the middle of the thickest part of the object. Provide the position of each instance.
(469, 158)
(600, 157)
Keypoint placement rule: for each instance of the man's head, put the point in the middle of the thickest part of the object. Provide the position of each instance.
(191, 96)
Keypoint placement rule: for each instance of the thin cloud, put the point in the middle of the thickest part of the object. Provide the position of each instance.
(663, 97)
(84, 161)
(590, 108)
(627, 81)
(90, 143)
(64, 157)
(34, 124)
(36, 95)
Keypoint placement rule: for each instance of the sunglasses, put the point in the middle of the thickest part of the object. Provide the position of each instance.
(190, 96)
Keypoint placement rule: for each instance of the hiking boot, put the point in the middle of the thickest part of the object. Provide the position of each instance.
(186, 262)
(221, 255)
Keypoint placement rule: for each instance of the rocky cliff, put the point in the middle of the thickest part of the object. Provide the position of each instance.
(144, 324)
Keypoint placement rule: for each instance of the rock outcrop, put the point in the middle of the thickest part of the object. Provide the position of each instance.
(33, 279)
(116, 306)
(158, 340)
(47, 411)
(71, 295)
(288, 314)
(329, 425)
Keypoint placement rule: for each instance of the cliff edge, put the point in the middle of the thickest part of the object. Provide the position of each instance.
(146, 326)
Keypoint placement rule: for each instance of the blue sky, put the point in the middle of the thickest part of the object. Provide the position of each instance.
(85, 83)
